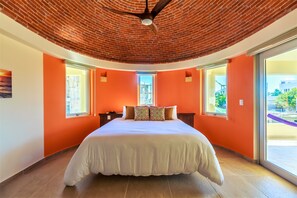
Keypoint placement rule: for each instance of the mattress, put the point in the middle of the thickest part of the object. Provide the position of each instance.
(144, 148)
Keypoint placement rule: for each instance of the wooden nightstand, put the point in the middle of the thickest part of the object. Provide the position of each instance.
(187, 118)
(107, 117)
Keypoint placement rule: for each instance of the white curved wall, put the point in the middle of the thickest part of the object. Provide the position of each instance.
(21, 117)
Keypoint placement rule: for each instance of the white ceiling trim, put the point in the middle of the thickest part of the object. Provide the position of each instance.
(15, 30)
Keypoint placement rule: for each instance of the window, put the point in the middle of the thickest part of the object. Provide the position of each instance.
(146, 89)
(215, 91)
(77, 91)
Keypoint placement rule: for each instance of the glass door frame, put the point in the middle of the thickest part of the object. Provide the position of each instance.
(262, 108)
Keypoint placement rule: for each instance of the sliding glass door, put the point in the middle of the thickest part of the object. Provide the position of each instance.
(278, 110)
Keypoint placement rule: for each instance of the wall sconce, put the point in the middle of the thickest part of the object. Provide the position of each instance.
(188, 77)
(103, 77)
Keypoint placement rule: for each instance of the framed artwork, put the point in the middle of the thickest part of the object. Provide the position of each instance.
(5, 84)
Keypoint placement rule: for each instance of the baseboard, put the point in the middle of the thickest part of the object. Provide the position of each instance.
(38, 163)
(238, 154)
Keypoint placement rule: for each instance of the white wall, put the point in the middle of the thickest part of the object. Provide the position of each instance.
(21, 117)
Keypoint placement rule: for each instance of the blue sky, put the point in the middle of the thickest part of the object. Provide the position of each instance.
(146, 78)
(273, 81)
(221, 80)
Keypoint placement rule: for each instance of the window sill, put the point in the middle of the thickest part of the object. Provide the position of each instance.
(78, 116)
(221, 116)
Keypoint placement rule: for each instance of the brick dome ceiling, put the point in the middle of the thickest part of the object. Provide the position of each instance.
(187, 28)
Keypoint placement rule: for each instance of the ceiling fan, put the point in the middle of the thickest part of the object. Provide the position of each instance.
(147, 17)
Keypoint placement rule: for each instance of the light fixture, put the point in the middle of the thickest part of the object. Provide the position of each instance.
(147, 21)
(188, 77)
(103, 77)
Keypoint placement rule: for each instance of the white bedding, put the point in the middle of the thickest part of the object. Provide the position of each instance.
(143, 148)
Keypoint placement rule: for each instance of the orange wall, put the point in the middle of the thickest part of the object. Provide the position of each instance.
(235, 132)
(59, 132)
(173, 90)
(119, 90)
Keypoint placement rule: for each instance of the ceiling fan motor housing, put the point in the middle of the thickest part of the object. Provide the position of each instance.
(147, 19)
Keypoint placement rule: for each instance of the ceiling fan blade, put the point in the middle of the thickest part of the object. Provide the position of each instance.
(159, 7)
(122, 12)
(154, 28)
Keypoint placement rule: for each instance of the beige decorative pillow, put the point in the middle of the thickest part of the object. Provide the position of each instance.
(141, 113)
(157, 113)
(130, 112)
(169, 113)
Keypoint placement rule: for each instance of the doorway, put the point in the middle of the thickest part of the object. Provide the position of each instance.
(278, 110)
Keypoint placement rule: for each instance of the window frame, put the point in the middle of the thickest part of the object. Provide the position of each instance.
(153, 88)
(205, 88)
(88, 91)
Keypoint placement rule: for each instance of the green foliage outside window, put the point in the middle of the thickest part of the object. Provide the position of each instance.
(287, 100)
(276, 92)
(221, 100)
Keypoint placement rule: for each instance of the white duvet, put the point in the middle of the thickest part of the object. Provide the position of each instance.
(143, 148)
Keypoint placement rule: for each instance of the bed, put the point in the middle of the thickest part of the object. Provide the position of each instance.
(144, 148)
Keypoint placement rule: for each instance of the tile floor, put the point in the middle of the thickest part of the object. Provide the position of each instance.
(242, 179)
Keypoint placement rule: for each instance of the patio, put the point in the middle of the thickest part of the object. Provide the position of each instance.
(282, 146)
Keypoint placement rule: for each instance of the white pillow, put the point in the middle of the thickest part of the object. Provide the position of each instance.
(174, 112)
(124, 112)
